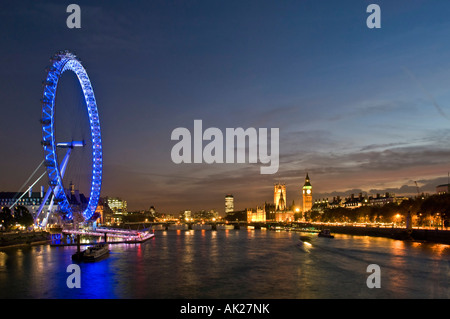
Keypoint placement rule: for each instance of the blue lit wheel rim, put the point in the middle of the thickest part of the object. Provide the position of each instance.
(61, 62)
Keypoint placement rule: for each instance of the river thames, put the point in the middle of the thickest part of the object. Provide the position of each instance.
(235, 264)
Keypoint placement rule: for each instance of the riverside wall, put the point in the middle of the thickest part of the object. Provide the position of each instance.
(23, 238)
(428, 235)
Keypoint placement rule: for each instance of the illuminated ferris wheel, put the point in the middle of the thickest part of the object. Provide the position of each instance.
(58, 147)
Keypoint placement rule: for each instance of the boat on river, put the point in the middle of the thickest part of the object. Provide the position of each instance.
(325, 233)
(92, 253)
(305, 238)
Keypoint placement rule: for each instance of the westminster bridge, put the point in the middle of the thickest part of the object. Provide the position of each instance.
(401, 233)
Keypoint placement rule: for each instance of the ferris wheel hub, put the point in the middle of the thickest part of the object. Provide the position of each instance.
(71, 144)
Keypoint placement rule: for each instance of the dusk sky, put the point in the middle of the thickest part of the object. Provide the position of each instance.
(359, 109)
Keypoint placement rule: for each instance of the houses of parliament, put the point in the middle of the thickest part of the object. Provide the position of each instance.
(279, 210)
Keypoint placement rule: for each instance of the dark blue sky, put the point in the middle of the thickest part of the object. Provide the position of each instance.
(359, 109)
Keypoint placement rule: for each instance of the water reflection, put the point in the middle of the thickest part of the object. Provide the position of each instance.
(440, 250)
(234, 264)
(3, 259)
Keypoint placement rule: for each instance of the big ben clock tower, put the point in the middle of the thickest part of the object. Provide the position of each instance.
(307, 195)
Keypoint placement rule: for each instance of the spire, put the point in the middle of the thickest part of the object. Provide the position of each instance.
(282, 204)
(307, 181)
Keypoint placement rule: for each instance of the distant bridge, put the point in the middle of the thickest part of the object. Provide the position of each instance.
(214, 225)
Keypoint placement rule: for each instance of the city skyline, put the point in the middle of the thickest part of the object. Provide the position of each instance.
(360, 110)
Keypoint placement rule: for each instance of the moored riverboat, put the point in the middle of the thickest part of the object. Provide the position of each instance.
(92, 253)
(325, 233)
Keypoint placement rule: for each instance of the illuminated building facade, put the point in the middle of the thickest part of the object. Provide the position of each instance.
(258, 215)
(229, 203)
(100, 213)
(31, 200)
(103, 212)
(284, 216)
(117, 205)
(279, 196)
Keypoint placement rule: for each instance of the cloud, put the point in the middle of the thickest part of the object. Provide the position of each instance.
(381, 146)
(370, 108)
(410, 189)
(427, 93)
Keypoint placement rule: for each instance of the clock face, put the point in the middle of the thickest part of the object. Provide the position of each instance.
(308, 191)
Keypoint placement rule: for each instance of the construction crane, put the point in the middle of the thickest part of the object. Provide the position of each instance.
(418, 191)
(417, 187)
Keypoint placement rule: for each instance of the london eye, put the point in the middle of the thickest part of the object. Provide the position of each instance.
(67, 142)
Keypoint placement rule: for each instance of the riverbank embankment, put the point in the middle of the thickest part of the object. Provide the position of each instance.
(428, 235)
(23, 238)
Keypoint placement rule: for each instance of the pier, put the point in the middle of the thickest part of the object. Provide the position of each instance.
(120, 236)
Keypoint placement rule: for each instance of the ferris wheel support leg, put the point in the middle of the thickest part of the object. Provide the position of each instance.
(50, 207)
(62, 169)
(41, 207)
(54, 191)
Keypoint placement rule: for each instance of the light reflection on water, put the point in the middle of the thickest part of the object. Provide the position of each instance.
(233, 264)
